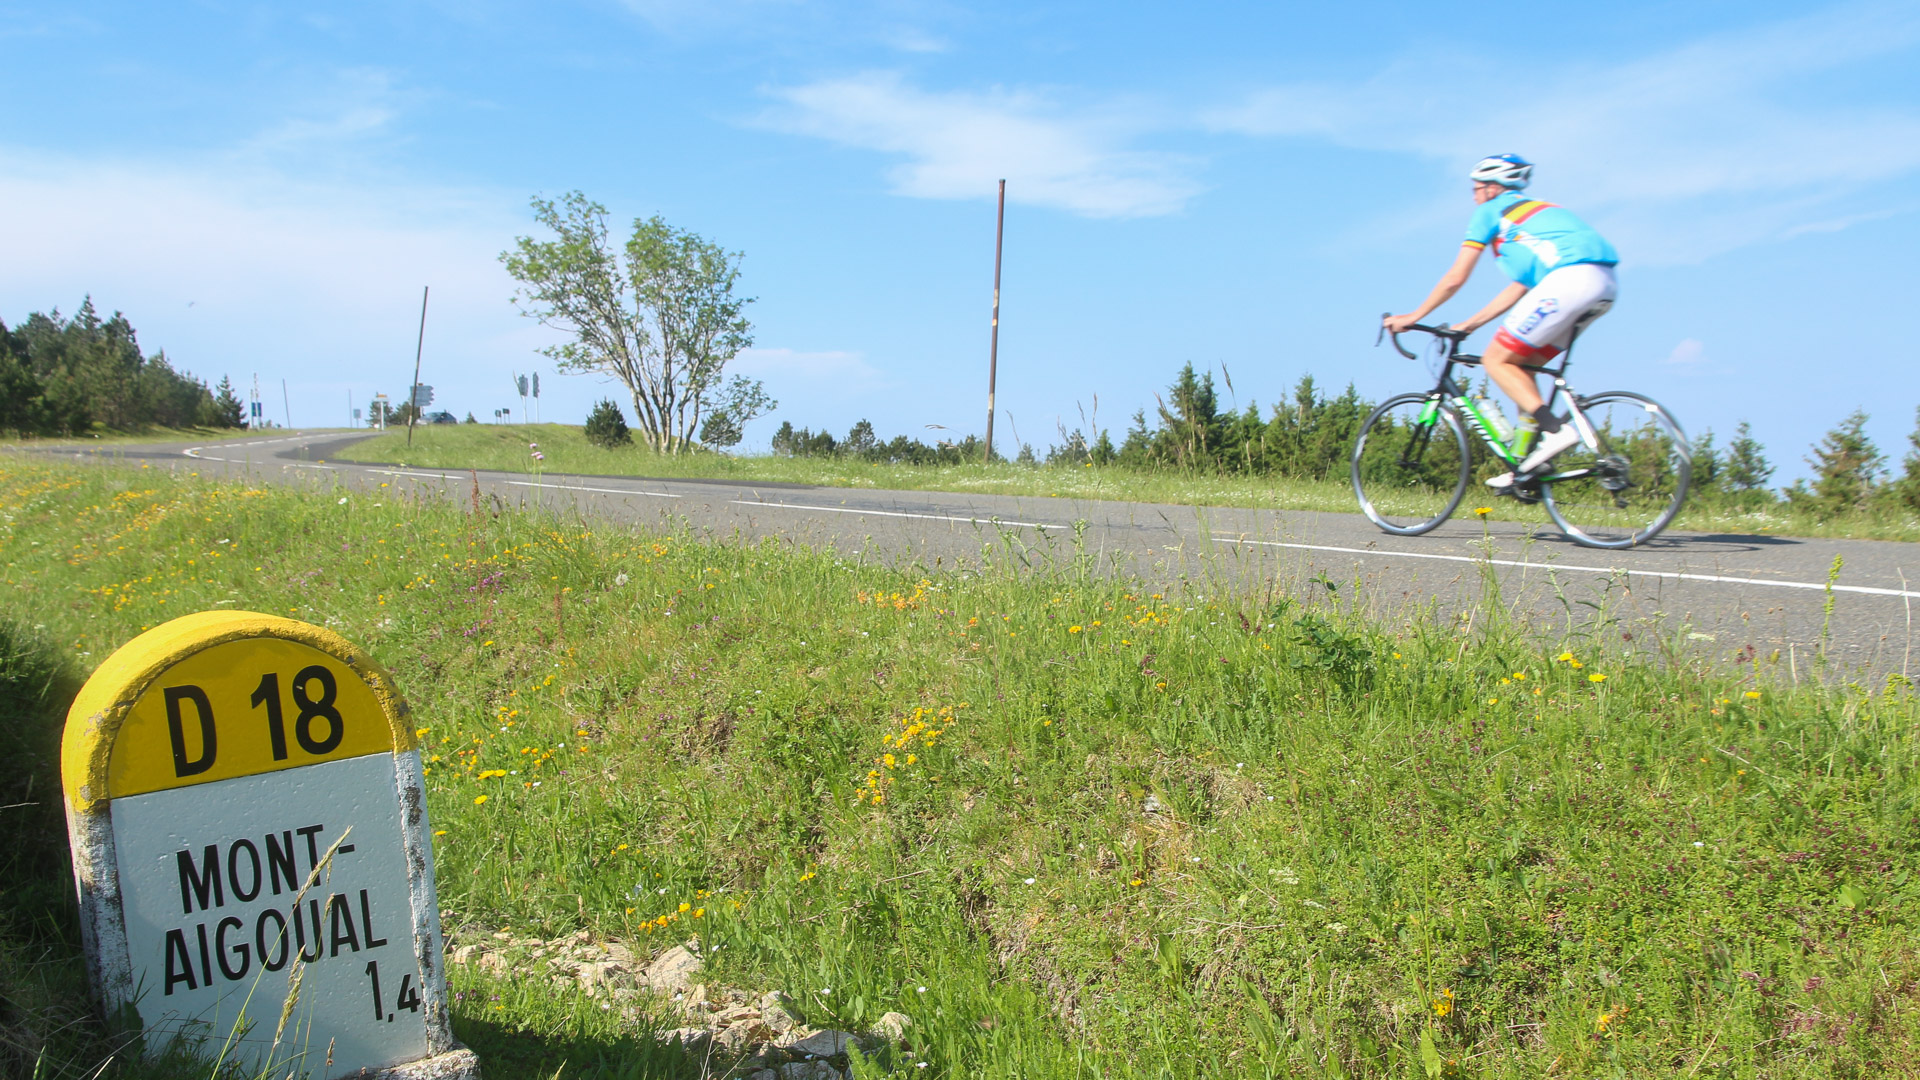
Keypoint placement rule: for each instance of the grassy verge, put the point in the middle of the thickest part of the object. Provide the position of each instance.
(505, 448)
(1071, 828)
(146, 435)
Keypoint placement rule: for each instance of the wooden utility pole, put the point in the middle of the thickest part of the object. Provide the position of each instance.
(993, 349)
(413, 391)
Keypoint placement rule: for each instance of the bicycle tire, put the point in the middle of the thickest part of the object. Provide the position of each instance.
(1408, 494)
(1632, 485)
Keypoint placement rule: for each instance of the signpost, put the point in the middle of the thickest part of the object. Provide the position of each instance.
(250, 843)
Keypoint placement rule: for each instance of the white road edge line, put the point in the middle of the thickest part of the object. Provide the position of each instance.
(899, 514)
(194, 451)
(249, 461)
(615, 491)
(1671, 575)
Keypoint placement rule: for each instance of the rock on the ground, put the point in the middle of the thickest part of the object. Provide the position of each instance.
(741, 1036)
(691, 1039)
(781, 1012)
(674, 970)
(824, 1044)
(764, 1074)
(809, 1070)
(892, 1028)
(733, 1014)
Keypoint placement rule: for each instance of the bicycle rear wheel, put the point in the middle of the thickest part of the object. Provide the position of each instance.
(1411, 464)
(1621, 493)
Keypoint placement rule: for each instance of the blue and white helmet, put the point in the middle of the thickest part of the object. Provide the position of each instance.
(1507, 170)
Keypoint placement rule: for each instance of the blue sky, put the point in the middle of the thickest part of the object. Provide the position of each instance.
(265, 188)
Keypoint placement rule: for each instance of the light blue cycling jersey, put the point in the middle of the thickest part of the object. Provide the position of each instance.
(1531, 238)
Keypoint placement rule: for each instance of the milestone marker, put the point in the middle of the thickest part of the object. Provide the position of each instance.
(248, 823)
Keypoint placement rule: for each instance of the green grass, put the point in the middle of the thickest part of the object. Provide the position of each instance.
(504, 448)
(109, 437)
(1370, 839)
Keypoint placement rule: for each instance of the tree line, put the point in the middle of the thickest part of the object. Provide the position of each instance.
(70, 376)
(1310, 435)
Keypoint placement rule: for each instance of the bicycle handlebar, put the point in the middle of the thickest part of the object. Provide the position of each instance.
(1446, 332)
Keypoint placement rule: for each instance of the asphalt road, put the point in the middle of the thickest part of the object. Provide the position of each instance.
(1720, 598)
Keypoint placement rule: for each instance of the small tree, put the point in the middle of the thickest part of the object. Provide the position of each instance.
(1905, 491)
(1745, 466)
(742, 400)
(860, 439)
(1846, 468)
(228, 410)
(606, 427)
(1708, 469)
(660, 316)
(469, 419)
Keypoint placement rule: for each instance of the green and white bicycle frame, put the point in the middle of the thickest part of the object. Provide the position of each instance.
(1512, 449)
(1596, 493)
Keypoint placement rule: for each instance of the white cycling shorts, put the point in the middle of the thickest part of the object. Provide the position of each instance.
(1547, 319)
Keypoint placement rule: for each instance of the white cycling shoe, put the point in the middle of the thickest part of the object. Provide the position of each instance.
(1549, 446)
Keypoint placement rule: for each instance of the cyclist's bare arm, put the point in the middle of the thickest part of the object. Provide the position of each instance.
(1495, 308)
(1450, 283)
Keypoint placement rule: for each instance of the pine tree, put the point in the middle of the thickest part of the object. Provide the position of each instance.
(1745, 467)
(1846, 469)
(606, 427)
(228, 410)
(860, 440)
(1905, 491)
(1708, 471)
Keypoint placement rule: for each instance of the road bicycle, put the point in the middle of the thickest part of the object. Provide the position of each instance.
(1623, 483)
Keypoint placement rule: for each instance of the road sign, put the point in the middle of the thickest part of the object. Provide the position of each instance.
(422, 395)
(247, 815)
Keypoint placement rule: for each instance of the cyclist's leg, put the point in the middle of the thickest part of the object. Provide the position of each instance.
(1545, 322)
(1539, 328)
(1502, 365)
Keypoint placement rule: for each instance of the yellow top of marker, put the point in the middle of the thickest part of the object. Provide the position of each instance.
(222, 694)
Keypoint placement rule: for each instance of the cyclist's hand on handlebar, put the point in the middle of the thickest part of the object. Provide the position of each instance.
(1398, 324)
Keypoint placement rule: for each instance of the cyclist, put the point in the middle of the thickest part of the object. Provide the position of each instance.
(1562, 273)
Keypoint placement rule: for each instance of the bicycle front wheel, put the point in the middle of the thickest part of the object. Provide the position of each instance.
(1411, 464)
(1623, 491)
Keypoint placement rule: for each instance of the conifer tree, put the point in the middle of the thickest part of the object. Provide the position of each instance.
(606, 427)
(1846, 469)
(1905, 491)
(1745, 467)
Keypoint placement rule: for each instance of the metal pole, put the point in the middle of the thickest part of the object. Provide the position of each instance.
(412, 391)
(286, 403)
(993, 350)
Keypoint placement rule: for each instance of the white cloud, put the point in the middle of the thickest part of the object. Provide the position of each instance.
(1686, 153)
(781, 364)
(1689, 351)
(957, 145)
